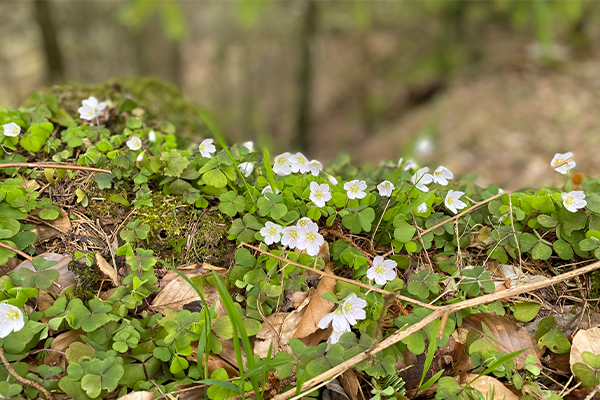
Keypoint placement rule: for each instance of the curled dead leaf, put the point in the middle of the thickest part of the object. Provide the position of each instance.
(318, 307)
(107, 269)
(487, 385)
(585, 340)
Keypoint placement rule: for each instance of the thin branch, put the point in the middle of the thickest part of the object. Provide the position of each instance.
(339, 278)
(438, 313)
(54, 166)
(457, 216)
(19, 252)
(20, 378)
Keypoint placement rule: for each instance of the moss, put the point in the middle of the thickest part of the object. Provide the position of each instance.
(160, 100)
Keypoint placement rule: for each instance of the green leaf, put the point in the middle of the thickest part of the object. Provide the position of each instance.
(591, 359)
(215, 178)
(175, 161)
(104, 181)
(403, 232)
(223, 328)
(525, 312)
(49, 214)
(572, 221)
(556, 341)
(563, 249)
(366, 217)
(92, 384)
(586, 375)
(541, 251)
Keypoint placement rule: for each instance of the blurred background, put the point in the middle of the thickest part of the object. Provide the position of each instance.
(492, 87)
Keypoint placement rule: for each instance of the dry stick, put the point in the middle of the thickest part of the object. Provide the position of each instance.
(339, 278)
(439, 312)
(457, 216)
(19, 252)
(21, 379)
(54, 166)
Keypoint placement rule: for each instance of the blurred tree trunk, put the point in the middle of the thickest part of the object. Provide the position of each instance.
(305, 75)
(52, 52)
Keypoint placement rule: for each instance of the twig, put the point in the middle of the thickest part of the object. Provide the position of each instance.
(19, 252)
(592, 393)
(438, 313)
(339, 278)
(457, 216)
(20, 378)
(54, 166)
(422, 243)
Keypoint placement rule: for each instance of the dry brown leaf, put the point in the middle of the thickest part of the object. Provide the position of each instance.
(318, 307)
(189, 271)
(66, 277)
(179, 293)
(108, 269)
(585, 340)
(228, 353)
(138, 396)
(337, 391)
(351, 385)
(62, 343)
(488, 384)
(51, 229)
(511, 337)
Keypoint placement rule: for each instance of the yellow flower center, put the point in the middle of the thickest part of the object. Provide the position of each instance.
(354, 188)
(272, 231)
(558, 161)
(303, 223)
(281, 161)
(348, 307)
(450, 200)
(379, 269)
(311, 237)
(301, 160)
(294, 234)
(202, 147)
(318, 194)
(12, 315)
(569, 201)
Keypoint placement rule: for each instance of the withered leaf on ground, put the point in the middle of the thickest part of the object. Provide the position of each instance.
(107, 269)
(51, 229)
(138, 396)
(66, 277)
(585, 340)
(179, 293)
(318, 307)
(488, 385)
(511, 337)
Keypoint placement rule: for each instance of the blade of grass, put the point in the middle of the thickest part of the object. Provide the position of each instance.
(269, 170)
(430, 352)
(239, 333)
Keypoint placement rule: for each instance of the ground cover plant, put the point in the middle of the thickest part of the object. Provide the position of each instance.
(138, 264)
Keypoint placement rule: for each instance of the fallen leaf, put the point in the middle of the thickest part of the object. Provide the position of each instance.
(107, 269)
(514, 276)
(337, 391)
(585, 340)
(487, 385)
(351, 385)
(51, 229)
(138, 396)
(178, 293)
(62, 343)
(511, 337)
(318, 307)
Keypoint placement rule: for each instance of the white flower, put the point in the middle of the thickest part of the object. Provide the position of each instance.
(385, 188)
(453, 201)
(90, 108)
(11, 129)
(140, 156)
(152, 136)
(319, 194)
(207, 147)
(422, 208)
(299, 163)
(271, 232)
(422, 178)
(249, 145)
(281, 164)
(410, 164)
(310, 239)
(246, 168)
(424, 146)
(335, 337)
(574, 200)
(305, 222)
(268, 189)
(135, 143)
(558, 158)
(441, 175)
(11, 320)
(337, 319)
(332, 180)
(355, 189)
(382, 270)
(290, 236)
(353, 309)
(315, 167)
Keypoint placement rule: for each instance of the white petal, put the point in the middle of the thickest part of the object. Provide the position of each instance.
(324, 322)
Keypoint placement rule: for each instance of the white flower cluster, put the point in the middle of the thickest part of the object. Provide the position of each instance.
(421, 178)
(11, 320)
(286, 164)
(349, 311)
(303, 236)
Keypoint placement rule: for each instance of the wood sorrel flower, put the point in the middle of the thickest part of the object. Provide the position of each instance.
(152, 136)
(319, 194)
(310, 239)
(353, 308)
(299, 163)
(315, 167)
(249, 145)
(559, 158)
(90, 108)
(207, 148)
(453, 201)
(135, 143)
(337, 319)
(281, 164)
(11, 129)
(271, 232)
(422, 178)
(441, 175)
(290, 236)
(11, 320)
(574, 200)
(382, 270)
(246, 168)
(385, 188)
(355, 189)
